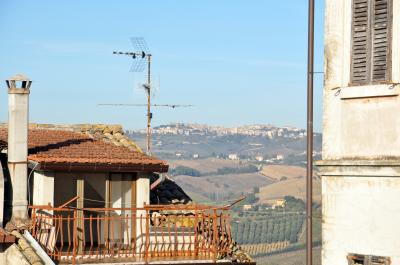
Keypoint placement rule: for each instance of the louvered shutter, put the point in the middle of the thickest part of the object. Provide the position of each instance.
(380, 40)
(360, 42)
(370, 50)
(375, 260)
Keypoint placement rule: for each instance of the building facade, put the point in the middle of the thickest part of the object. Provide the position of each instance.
(360, 164)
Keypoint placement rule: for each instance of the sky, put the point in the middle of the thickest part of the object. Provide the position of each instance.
(238, 62)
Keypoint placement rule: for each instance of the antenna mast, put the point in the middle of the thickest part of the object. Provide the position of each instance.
(149, 114)
(140, 55)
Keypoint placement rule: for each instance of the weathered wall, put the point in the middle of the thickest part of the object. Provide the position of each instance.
(361, 150)
(361, 215)
(358, 122)
(43, 188)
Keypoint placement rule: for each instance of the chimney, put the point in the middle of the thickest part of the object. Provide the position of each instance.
(18, 106)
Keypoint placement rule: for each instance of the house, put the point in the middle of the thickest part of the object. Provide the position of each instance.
(94, 162)
(247, 207)
(360, 166)
(87, 194)
(276, 203)
(233, 157)
(259, 158)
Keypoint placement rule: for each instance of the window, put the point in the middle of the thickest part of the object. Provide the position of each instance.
(357, 259)
(371, 41)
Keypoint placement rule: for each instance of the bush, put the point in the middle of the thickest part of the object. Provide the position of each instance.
(182, 170)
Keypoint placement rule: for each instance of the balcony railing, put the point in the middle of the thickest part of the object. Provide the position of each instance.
(162, 233)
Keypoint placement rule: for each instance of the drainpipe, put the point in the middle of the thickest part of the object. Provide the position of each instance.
(310, 129)
(18, 106)
(161, 178)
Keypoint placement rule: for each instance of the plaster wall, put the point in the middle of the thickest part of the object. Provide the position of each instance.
(142, 199)
(359, 122)
(360, 216)
(43, 188)
(361, 149)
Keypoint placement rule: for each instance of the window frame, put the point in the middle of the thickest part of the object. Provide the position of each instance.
(370, 38)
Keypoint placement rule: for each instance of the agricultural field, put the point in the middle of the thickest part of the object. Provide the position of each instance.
(265, 234)
(205, 165)
(297, 257)
(292, 186)
(257, 249)
(221, 187)
(278, 172)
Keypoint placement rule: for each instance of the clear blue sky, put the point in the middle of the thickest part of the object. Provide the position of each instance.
(238, 62)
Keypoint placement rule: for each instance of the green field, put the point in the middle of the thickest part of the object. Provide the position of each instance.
(268, 229)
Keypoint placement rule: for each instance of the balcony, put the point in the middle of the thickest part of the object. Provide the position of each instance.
(168, 233)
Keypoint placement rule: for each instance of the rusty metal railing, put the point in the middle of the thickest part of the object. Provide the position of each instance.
(138, 234)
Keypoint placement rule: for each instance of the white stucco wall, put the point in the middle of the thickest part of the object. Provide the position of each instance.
(142, 199)
(43, 188)
(361, 149)
(358, 122)
(142, 190)
(361, 215)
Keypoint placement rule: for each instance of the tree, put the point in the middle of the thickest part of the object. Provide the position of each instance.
(256, 189)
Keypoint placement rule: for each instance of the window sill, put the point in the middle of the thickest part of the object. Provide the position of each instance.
(370, 91)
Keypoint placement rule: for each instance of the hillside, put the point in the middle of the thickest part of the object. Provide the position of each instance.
(205, 165)
(222, 187)
(208, 150)
(276, 172)
(295, 187)
(262, 143)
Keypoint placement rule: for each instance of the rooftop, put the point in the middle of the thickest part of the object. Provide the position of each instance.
(85, 148)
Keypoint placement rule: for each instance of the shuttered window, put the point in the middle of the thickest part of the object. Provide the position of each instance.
(357, 259)
(371, 39)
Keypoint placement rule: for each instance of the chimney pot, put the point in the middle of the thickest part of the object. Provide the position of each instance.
(18, 83)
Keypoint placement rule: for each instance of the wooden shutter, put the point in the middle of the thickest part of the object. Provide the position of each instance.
(360, 42)
(375, 260)
(380, 40)
(371, 28)
(357, 259)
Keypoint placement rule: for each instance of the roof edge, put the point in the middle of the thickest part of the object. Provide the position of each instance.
(95, 167)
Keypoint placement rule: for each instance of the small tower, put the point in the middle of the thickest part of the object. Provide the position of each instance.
(360, 164)
(17, 151)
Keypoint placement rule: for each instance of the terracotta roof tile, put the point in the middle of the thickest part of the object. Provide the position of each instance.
(51, 147)
(6, 237)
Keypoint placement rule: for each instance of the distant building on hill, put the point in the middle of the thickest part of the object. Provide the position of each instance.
(233, 157)
(360, 164)
(247, 207)
(259, 158)
(276, 203)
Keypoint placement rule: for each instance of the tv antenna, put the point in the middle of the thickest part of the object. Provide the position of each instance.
(140, 56)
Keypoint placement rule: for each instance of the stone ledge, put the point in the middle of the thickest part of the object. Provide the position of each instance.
(370, 91)
(359, 163)
(359, 168)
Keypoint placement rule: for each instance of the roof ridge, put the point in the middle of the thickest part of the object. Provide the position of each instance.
(110, 133)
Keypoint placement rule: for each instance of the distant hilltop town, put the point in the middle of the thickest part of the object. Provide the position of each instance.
(268, 131)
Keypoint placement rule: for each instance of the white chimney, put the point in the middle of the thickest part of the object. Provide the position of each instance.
(18, 106)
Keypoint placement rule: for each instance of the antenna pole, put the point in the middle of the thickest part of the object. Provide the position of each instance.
(148, 103)
(310, 131)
